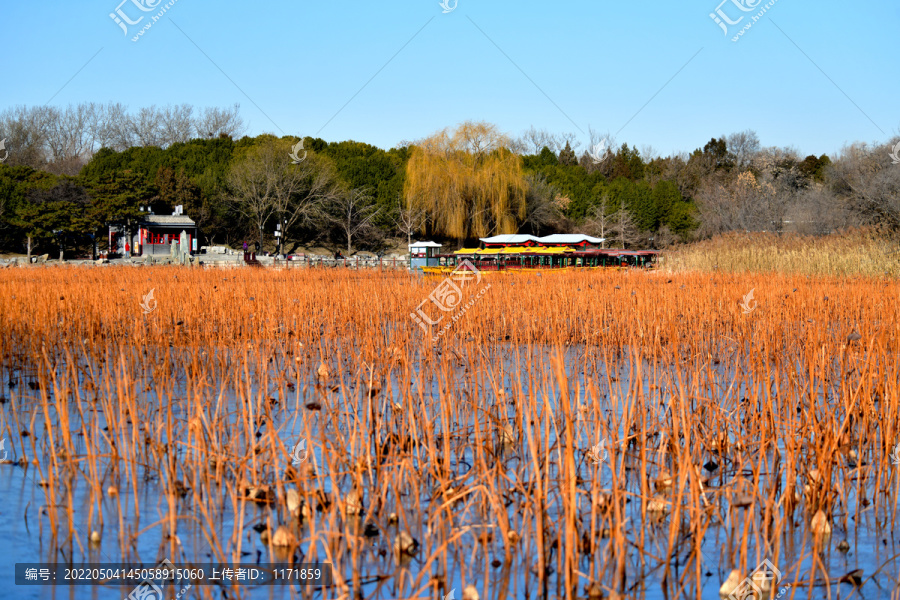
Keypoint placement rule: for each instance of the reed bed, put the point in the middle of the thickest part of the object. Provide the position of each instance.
(852, 253)
(572, 435)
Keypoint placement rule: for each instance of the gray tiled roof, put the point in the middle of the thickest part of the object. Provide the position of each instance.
(169, 220)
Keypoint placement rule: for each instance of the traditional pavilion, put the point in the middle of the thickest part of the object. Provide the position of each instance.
(157, 232)
(152, 235)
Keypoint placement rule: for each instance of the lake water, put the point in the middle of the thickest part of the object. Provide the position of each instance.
(468, 437)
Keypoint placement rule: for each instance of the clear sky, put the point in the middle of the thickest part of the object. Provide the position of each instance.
(811, 75)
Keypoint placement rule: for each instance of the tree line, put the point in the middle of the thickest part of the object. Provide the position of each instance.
(66, 174)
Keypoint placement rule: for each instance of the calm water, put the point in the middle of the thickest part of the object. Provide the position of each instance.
(24, 527)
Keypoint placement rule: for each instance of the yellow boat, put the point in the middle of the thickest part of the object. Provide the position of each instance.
(471, 262)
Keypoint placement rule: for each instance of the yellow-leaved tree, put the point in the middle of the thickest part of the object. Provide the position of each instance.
(468, 181)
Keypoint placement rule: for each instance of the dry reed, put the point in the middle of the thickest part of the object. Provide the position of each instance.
(474, 461)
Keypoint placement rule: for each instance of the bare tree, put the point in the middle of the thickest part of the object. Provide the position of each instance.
(744, 146)
(26, 131)
(410, 220)
(61, 141)
(94, 115)
(518, 146)
(73, 136)
(597, 138)
(623, 228)
(818, 211)
(214, 122)
(260, 181)
(309, 188)
(715, 209)
(146, 127)
(65, 133)
(600, 223)
(541, 208)
(266, 185)
(746, 203)
(177, 124)
(868, 183)
(114, 128)
(648, 153)
(535, 140)
(664, 238)
(353, 213)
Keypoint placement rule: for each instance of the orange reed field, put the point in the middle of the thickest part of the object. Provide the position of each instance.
(617, 434)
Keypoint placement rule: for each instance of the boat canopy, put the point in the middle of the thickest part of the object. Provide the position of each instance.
(511, 239)
(428, 244)
(557, 239)
(573, 239)
(514, 250)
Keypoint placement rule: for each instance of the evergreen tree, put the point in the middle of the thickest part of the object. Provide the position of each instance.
(55, 214)
(567, 156)
(548, 158)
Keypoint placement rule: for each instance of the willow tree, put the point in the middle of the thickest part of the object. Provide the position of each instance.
(468, 181)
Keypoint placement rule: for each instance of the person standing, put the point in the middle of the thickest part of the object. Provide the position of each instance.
(245, 251)
(127, 250)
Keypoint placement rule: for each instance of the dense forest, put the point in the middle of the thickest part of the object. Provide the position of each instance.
(68, 173)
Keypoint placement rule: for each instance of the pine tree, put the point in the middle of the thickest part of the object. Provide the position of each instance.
(567, 157)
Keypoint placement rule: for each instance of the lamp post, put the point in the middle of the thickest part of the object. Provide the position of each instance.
(279, 233)
(59, 239)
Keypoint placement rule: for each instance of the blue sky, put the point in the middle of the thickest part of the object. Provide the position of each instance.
(813, 76)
